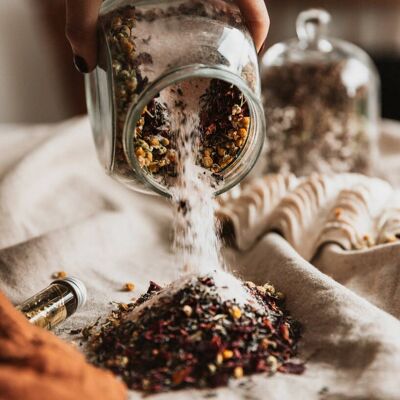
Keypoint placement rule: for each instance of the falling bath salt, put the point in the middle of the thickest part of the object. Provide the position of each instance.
(196, 241)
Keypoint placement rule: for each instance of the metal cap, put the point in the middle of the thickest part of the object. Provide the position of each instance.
(78, 287)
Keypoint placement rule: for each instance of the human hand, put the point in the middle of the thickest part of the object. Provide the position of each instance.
(81, 31)
(81, 28)
(256, 16)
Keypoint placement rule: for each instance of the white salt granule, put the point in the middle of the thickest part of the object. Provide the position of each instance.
(196, 241)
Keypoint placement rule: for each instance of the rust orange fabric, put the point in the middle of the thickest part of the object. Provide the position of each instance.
(36, 365)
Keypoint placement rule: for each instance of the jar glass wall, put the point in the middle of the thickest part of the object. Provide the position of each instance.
(156, 56)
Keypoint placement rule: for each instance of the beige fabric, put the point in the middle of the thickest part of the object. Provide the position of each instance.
(59, 211)
(373, 274)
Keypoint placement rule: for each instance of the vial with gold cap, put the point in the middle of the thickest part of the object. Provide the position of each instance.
(53, 305)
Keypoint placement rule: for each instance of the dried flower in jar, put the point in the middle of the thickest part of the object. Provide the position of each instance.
(224, 114)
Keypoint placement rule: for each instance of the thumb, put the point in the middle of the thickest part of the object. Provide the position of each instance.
(81, 31)
(256, 17)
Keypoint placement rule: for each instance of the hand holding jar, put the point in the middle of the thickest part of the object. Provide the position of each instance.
(162, 62)
(81, 29)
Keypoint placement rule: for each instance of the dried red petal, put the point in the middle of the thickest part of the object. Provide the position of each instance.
(285, 332)
(268, 324)
(292, 368)
(179, 376)
(216, 341)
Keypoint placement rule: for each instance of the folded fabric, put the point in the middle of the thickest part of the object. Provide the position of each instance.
(59, 211)
(354, 211)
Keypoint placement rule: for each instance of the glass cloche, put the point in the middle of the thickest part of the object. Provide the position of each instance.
(320, 101)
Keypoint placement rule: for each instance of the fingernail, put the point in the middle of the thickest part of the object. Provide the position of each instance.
(80, 64)
(263, 47)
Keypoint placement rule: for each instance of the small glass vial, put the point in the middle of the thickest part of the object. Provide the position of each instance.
(56, 303)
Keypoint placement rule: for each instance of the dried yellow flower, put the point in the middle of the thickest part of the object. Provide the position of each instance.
(207, 162)
(235, 312)
(227, 354)
(128, 287)
(238, 372)
(187, 310)
(219, 359)
(59, 275)
(212, 368)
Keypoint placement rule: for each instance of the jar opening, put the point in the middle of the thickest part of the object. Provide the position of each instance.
(226, 116)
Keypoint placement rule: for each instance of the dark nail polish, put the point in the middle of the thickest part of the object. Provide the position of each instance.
(263, 48)
(80, 64)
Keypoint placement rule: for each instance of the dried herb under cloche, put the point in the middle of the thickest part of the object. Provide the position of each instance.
(321, 102)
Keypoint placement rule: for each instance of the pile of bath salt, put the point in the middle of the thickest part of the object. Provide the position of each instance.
(199, 332)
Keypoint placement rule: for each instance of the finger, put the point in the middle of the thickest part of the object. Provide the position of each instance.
(81, 31)
(256, 17)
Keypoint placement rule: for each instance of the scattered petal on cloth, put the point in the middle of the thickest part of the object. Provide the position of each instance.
(59, 211)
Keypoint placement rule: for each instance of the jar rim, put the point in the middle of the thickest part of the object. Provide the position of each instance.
(251, 151)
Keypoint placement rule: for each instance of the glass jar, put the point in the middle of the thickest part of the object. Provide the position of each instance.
(320, 101)
(159, 56)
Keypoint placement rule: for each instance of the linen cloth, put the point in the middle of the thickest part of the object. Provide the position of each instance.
(59, 211)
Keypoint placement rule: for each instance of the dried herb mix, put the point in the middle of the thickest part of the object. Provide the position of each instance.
(195, 339)
(225, 117)
(313, 123)
(224, 122)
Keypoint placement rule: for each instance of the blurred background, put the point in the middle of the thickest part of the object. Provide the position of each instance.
(40, 84)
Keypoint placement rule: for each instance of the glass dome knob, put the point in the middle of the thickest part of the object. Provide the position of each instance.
(312, 26)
